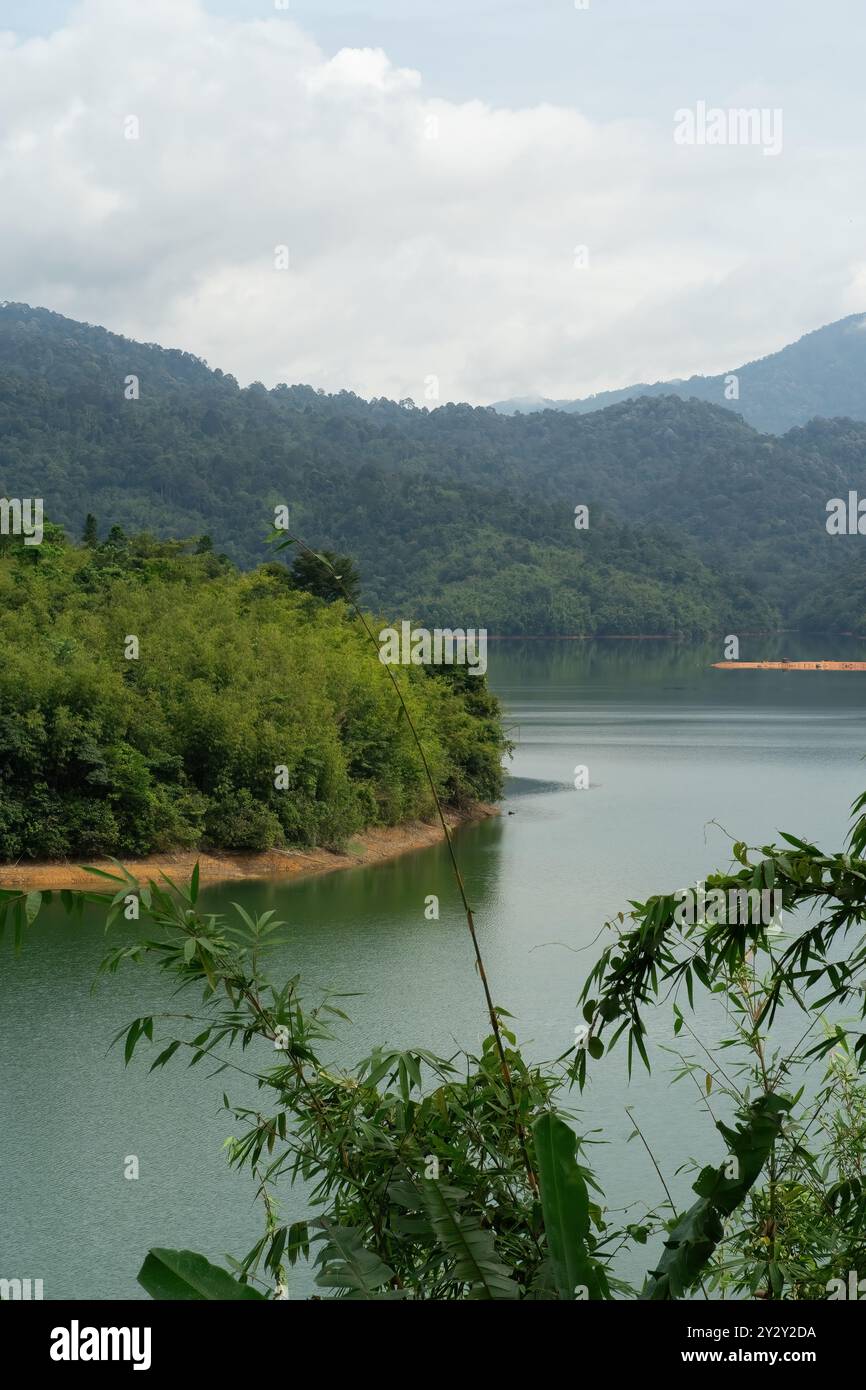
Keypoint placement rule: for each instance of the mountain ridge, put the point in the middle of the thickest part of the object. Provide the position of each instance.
(458, 515)
(777, 392)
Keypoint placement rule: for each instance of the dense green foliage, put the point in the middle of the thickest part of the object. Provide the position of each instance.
(698, 523)
(326, 575)
(237, 675)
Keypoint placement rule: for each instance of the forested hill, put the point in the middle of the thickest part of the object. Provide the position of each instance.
(152, 699)
(823, 373)
(456, 515)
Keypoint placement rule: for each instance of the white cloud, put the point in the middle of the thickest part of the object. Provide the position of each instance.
(355, 68)
(426, 237)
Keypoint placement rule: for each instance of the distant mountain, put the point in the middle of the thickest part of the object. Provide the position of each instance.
(456, 516)
(823, 373)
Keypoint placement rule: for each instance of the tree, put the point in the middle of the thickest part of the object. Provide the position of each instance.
(119, 757)
(327, 575)
(90, 534)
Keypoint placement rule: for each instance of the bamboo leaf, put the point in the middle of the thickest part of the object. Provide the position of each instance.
(347, 1265)
(694, 1237)
(565, 1206)
(473, 1251)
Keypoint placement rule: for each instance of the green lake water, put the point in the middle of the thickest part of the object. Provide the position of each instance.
(671, 747)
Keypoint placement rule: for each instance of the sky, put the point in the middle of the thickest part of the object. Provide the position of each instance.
(459, 200)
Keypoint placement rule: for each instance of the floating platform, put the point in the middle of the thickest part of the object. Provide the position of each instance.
(790, 665)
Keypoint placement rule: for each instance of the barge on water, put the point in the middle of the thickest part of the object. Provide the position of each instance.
(790, 665)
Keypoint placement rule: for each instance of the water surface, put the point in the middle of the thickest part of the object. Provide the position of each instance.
(674, 749)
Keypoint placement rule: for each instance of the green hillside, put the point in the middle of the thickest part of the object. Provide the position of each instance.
(247, 716)
(698, 523)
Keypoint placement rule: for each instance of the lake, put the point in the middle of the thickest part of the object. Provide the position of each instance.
(675, 751)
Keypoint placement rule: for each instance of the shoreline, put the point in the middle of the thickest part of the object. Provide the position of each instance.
(642, 636)
(371, 846)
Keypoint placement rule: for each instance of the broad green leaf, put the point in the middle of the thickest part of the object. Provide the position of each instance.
(346, 1264)
(473, 1250)
(184, 1275)
(565, 1207)
(694, 1237)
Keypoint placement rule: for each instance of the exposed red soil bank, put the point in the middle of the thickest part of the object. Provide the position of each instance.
(370, 847)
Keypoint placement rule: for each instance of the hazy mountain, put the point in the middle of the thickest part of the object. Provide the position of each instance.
(459, 515)
(823, 373)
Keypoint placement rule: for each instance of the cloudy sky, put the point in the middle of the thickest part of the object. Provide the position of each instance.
(432, 169)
